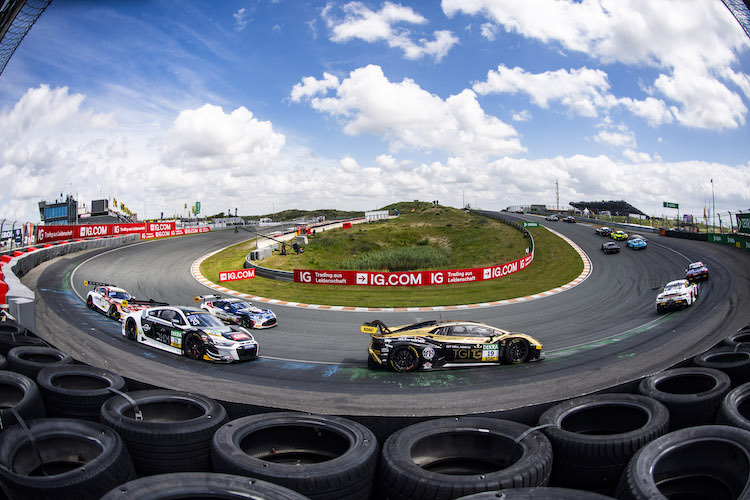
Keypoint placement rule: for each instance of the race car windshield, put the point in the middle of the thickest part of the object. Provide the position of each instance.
(204, 319)
(695, 266)
(673, 288)
(238, 306)
(119, 295)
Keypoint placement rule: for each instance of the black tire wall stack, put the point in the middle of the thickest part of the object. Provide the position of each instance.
(77, 391)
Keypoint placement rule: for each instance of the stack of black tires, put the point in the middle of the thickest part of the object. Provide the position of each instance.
(69, 430)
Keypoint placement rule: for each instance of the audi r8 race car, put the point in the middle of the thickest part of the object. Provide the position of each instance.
(604, 231)
(610, 247)
(678, 293)
(115, 302)
(444, 344)
(697, 271)
(619, 235)
(238, 311)
(190, 332)
(637, 243)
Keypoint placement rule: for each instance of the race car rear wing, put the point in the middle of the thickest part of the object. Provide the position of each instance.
(377, 327)
(96, 283)
(204, 298)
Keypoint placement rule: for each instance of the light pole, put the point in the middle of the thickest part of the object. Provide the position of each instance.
(713, 207)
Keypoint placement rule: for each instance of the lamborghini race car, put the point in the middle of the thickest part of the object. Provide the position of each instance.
(678, 293)
(618, 235)
(610, 247)
(115, 302)
(191, 332)
(238, 311)
(697, 271)
(637, 243)
(444, 344)
(604, 231)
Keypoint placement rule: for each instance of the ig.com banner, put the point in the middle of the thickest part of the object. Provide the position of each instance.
(409, 278)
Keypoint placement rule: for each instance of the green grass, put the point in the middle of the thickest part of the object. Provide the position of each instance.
(465, 240)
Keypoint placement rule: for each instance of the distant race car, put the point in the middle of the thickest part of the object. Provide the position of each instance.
(115, 302)
(238, 311)
(619, 235)
(190, 332)
(637, 243)
(697, 271)
(552, 217)
(444, 344)
(610, 247)
(569, 219)
(678, 293)
(604, 231)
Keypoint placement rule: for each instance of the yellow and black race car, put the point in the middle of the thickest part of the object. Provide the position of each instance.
(444, 344)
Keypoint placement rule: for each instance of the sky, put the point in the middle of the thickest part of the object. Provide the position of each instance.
(266, 105)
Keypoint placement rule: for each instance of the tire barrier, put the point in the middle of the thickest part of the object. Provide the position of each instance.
(710, 462)
(3, 363)
(66, 459)
(14, 335)
(735, 408)
(451, 457)
(77, 391)
(543, 493)
(734, 361)
(165, 431)
(322, 457)
(186, 485)
(740, 337)
(20, 393)
(692, 395)
(594, 437)
(30, 360)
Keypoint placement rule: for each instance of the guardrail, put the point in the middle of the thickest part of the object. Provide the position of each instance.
(511, 222)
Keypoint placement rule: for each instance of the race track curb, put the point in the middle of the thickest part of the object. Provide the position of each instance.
(587, 269)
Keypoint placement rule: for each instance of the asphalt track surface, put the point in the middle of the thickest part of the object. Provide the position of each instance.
(599, 334)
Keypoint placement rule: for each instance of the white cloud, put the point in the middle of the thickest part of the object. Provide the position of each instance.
(489, 31)
(408, 116)
(522, 116)
(242, 19)
(620, 139)
(310, 87)
(695, 41)
(360, 22)
(636, 156)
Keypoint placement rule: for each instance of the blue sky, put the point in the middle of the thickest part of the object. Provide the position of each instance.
(271, 105)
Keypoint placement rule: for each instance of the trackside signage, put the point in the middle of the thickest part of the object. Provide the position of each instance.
(416, 278)
(743, 223)
(174, 232)
(239, 274)
(46, 234)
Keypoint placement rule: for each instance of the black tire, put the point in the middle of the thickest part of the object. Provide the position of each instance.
(734, 361)
(451, 457)
(194, 348)
(404, 358)
(77, 391)
(30, 360)
(10, 338)
(11, 328)
(735, 408)
(89, 302)
(322, 457)
(18, 392)
(594, 437)
(186, 485)
(536, 494)
(246, 322)
(708, 461)
(692, 395)
(741, 337)
(516, 351)
(79, 460)
(113, 312)
(131, 329)
(175, 433)
(3, 363)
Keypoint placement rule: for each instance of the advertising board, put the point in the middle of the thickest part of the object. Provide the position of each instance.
(743, 223)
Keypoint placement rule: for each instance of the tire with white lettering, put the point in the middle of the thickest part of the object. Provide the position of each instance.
(30, 360)
(174, 434)
(543, 493)
(451, 457)
(707, 461)
(77, 391)
(322, 457)
(404, 358)
(18, 392)
(734, 361)
(735, 408)
(594, 437)
(79, 460)
(692, 394)
(204, 485)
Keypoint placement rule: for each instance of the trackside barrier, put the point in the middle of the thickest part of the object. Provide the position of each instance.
(18, 297)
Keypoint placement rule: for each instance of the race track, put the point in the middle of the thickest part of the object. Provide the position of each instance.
(601, 333)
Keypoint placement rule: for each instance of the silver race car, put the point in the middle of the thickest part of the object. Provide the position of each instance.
(237, 311)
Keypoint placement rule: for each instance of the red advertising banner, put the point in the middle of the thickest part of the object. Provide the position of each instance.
(240, 274)
(46, 234)
(409, 278)
(175, 232)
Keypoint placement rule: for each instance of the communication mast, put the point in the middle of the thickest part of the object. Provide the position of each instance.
(557, 193)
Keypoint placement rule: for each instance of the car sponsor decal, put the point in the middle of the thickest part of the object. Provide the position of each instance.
(428, 353)
(239, 336)
(176, 340)
(490, 352)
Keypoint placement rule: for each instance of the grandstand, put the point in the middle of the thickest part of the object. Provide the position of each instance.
(619, 207)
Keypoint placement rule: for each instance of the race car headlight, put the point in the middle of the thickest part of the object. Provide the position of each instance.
(222, 343)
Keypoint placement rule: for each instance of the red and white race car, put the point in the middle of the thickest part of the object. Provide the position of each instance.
(115, 302)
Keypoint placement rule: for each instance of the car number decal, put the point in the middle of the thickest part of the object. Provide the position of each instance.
(176, 340)
(490, 352)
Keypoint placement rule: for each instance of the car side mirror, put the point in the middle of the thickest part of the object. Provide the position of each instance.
(174, 322)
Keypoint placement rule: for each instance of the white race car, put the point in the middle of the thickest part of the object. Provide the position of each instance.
(238, 311)
(115, 302)
(678, 293)
(190, 332)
